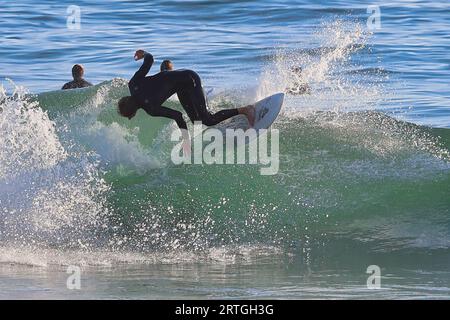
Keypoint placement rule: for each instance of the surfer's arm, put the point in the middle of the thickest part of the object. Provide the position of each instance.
(145, 68)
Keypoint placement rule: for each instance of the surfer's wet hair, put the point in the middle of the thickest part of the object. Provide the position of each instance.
(166, 65)
(77, 71)
(127, 107)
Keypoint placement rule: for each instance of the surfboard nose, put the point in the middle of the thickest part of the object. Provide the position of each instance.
(267, 110)
(278, 98)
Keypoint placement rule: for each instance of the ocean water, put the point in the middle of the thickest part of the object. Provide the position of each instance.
(364, 173)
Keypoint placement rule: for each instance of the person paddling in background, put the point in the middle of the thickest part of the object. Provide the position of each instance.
(78, 81)
(166, 65)
(150, 92)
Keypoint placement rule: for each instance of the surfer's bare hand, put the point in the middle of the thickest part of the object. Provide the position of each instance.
(139, 54)
(187, 148)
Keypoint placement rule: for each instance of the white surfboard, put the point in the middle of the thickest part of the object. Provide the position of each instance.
(267, 110)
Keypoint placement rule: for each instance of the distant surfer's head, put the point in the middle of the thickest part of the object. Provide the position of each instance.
(127, 107)
(297, 70)
(166, 65)
(77, 71)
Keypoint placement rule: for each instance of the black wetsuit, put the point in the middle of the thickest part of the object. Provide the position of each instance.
(151, 92)
(78, 83)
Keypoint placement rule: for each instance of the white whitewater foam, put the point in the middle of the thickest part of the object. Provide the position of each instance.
(48, 193)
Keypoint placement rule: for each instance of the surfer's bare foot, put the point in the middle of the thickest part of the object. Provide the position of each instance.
(249, 112)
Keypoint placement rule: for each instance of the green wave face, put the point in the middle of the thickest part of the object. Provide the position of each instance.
(356, 177)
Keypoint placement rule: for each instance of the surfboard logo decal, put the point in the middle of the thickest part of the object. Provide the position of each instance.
(263, 113)
(267, 110)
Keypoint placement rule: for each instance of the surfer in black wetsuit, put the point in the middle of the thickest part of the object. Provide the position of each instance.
(149, 93)
(78, 81)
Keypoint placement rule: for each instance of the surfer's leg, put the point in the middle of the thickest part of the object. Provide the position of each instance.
(198, 100)
(209, 119)
(192, 98)
(187, 104)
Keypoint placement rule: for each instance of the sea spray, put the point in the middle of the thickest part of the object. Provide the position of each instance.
(49, 194)
(344, 176)
(324, 63)
(22, 125)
